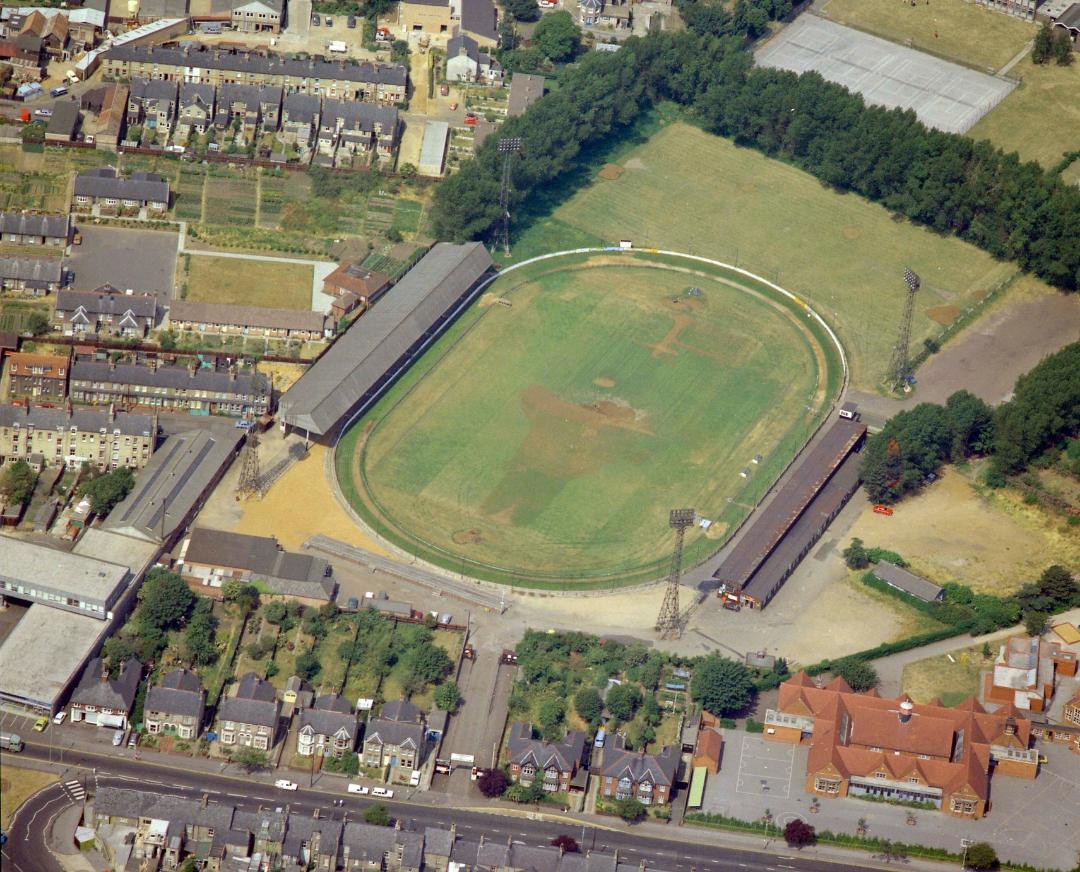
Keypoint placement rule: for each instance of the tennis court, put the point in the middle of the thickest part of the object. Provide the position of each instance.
(943, 95)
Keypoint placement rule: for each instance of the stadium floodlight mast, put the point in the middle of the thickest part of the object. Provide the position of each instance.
(669, 621)
(508, 147)
(900, 365)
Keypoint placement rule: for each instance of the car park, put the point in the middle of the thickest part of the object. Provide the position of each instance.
(40, 724)
(359, 789)
(118, 738)
(283, 784)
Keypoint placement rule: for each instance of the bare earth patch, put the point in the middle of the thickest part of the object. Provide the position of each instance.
(944, 315)
(951, 533)
(852, 232)
(604, 382)
(611, 172)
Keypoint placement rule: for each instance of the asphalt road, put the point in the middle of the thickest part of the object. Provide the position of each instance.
(25, 850)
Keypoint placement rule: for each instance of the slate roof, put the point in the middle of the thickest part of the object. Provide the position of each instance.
(179, 693)
(371, 844)
(260, 555)
(357, 365)
(351, 115)
(330, 714)
(525, 90)
(245, 383)
(211, 58)
(115, 693)
(35, 270)
(192, 93)
(258, 317)
(304, 108)
(107, 301)
(33, 224)
(906, 581)
(154, 9)
(380, 731)
(252, 96)
(142, 89)
(104, 182)
(564, 755)
(657, 768)
(402, 711)
(255, 702)
(83, 420)
(478, 16)
(65, 118)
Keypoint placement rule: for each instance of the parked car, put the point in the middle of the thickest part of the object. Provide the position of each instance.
(118, 738)
(283, 784)
(329, 21)
(59, 717)
(414, 779)
(133, 739)
(359, 789)
(43, 112)
(383, 792)
(351, 22)
(352, 604)
(314, 19)
(40, 724)
(58, 91)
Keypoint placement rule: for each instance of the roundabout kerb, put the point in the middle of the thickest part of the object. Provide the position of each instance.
(381, 522)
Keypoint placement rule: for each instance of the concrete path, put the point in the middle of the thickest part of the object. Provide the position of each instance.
(891, 669)
(1019, 56)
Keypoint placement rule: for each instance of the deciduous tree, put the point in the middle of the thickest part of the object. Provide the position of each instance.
(724, 687)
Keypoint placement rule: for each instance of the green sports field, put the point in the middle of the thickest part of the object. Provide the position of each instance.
(546, 436)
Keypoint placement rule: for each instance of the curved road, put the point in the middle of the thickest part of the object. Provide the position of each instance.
(26, 849)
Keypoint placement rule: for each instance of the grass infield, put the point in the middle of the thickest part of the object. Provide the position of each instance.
(544, 438)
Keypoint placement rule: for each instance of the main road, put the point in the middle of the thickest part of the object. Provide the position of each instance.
(26, 848)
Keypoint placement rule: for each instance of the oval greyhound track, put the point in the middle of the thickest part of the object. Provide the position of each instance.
(543, 440)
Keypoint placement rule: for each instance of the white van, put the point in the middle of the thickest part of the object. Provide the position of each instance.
(383, 792)
(283, 784)
(414, 779)
(359, 789)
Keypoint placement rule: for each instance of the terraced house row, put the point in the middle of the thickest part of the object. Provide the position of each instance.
(210, 65)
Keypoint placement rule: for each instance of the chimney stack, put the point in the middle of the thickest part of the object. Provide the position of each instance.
(112, 412)
(906, 708)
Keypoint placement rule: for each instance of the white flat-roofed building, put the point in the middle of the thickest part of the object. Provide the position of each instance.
(44, 654)
(59, 579)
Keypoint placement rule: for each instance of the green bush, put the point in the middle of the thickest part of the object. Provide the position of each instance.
(753, 726)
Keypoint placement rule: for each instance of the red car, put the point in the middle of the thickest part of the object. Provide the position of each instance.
(883, 510)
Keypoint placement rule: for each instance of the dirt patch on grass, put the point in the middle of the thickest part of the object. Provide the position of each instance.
(852, 232)
(603, 382)
(541, 404)
(668, 345)
(944, 315)
(611, 172)
(635, 163)
(472, 536)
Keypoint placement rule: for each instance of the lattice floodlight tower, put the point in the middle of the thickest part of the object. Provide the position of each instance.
(900, 365)
(508, 147)
(249, 484)
(668, 623)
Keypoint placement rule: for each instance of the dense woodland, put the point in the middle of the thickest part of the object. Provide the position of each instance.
(1013, 210)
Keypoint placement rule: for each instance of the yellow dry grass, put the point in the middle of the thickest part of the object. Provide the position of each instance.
(953, 676)
(16, 786)
(283, 375)
(951, 532)
(301, 505)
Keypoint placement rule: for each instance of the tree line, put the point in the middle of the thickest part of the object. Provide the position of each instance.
(912, 446)
(946, 181)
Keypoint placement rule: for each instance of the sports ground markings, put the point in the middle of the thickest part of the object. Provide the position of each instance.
(765, 768)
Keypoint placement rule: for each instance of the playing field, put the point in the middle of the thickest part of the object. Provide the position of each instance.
(547, 435)
(845, 254)
(241, 282)
(1041, 118)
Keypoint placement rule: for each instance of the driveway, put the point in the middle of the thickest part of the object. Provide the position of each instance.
(142, 260)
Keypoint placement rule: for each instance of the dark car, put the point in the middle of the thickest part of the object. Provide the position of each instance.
(353, 604)
(351, 22)
(314, 19)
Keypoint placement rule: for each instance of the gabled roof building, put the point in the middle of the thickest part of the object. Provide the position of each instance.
(328, 729)
(648, 778)
(32, 228)
(105, 701)
(176, 705)
(555, 763)
(250, 717)
(864, 744)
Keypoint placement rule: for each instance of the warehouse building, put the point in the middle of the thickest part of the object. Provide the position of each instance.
(781, 533)
(380, 346)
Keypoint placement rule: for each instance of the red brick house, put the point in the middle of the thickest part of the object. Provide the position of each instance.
(648, 778)
(555, 763)
(863, 744)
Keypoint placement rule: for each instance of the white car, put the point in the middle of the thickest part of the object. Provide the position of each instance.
(118, 738)
(359, 789)
(59, 717)
(383, 792)
(414, 779)
(282, 784)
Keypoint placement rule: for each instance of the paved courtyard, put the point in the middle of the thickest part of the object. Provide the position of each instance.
(142, 260)
(942, 94)
(757, 775)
